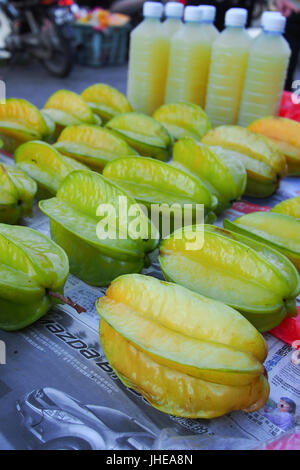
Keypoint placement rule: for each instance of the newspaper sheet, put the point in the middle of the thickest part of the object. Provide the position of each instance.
(57, 390)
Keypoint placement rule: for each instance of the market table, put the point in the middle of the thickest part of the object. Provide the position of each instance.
(57, 389)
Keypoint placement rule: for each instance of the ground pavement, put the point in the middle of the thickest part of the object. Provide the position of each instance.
(33, 82)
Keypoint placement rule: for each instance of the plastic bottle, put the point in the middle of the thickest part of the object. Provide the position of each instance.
(189, 61)
(207, 21)
(148, 61)
(267, 65)
(173, 21)
(228, 69)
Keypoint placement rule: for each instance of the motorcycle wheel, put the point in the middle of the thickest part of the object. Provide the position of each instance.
(60, 62)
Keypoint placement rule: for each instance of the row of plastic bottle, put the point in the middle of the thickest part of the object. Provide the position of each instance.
(235, 78)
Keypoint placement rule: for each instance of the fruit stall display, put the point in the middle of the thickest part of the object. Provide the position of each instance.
(102, 37)
(192, 344)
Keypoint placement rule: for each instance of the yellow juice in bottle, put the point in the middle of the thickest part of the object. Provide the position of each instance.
(173, 21)
(267, 65)
(189, 61)
(207, 21)
(148, 61)
(227, 70)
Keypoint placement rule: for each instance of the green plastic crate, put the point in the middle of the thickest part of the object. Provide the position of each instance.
(97, 48)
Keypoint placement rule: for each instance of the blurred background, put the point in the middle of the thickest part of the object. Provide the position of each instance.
(46, 44)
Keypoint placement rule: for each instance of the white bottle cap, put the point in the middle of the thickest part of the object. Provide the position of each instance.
(174, 10)
(236, 17)
(208, 12)
(273, 21)
(192, 14)
(152, 9)
(268, 13)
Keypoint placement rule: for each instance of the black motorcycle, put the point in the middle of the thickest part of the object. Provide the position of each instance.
(40, 30)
